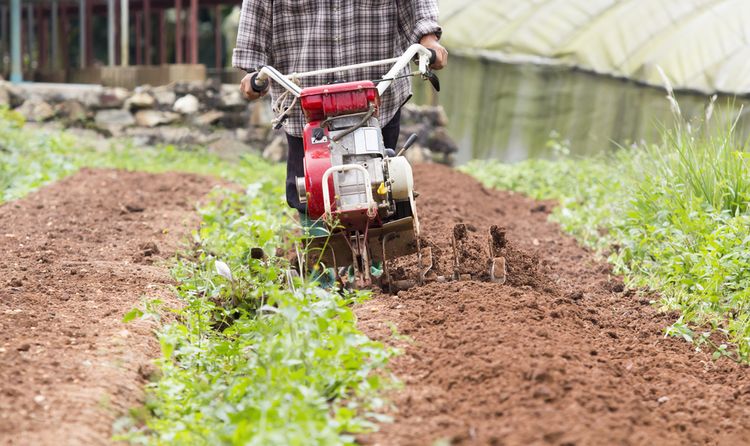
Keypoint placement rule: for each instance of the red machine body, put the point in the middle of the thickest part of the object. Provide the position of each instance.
(328, 101)
(318, 104)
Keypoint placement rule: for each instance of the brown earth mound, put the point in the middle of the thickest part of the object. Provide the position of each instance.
(561, 354)
(77, 256)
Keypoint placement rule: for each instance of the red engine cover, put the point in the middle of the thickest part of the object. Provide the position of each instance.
(317, 161)
(327, 101)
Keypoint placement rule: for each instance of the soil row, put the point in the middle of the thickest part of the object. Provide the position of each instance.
(77, 256)
(561, 354)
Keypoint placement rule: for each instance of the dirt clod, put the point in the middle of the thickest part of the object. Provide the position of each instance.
(134, 207)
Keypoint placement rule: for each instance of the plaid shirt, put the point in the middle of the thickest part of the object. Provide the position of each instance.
(306, 35)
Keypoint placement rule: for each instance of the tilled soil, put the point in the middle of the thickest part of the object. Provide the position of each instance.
(561, 354)
(77, 256)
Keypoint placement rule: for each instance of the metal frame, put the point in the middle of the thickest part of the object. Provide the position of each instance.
(399, 63)
(345, 168)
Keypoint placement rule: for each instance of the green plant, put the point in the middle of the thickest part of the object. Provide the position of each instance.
(258, 356)
(672, 217)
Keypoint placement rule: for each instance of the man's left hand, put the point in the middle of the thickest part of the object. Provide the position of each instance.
(431, 42)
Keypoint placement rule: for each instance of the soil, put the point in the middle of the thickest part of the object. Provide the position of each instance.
(77, 256)
(561, 354)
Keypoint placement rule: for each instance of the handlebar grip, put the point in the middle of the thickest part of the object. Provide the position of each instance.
(258, 87)
(433, 56)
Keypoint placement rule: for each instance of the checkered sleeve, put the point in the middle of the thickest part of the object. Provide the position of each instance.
(417, 18)
(253, 35)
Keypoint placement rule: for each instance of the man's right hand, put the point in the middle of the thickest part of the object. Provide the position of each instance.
(247, 89)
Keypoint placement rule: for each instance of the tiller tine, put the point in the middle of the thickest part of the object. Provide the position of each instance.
(498, 268)
(458, 242)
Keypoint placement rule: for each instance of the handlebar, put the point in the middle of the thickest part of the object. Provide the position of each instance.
(259, 81)
(258, 87)
(433, 56)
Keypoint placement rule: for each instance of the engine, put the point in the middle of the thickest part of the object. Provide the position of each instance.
(349, 173)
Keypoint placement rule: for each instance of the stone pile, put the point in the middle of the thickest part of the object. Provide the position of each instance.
(195, 113)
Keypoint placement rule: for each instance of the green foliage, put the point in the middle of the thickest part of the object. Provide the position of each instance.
(259, 357)
(672, 217)
(255, 356)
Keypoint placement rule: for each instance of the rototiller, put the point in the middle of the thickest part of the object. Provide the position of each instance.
(362, 190)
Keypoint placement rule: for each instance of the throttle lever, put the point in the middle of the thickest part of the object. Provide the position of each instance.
(409, 142)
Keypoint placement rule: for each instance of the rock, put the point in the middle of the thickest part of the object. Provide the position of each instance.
(234, 120)
(229, 148)
(439, 141)
(260, 135)
(164, 96)
(179, 136)
(186, 105)
(208, 118)
(72, 111)
(112, 98)
(418, 154)
(260, 113)
(230, 98)
(140, 101)
(16, 96)
(107, 119)
(144, 136)
(153, 118)
(4, 96)
(36, 110)
(195, 88)
(276, 151)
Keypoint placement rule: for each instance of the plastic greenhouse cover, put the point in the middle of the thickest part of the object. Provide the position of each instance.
(701, 45)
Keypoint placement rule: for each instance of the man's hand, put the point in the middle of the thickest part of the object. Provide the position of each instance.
(247, 89)
(431, 42)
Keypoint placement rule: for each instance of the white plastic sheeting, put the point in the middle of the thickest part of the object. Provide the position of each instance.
(701, 45)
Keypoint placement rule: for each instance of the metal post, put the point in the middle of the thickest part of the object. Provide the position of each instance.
(15, 41)
(193, 31)
(43, 38)
(124, 33)
(4, 36)
(82, 33)
(217, 38)
(147, 31)
(64, 33)
(178, 31)
(55, 36)
(30, 34)
(89, 32)
(111, 32)
(162, 38)
(138, 38)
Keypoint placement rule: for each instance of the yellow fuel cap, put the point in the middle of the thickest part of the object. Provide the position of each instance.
(382, 190)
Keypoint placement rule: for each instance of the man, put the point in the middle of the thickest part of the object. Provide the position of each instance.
(306, 35)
